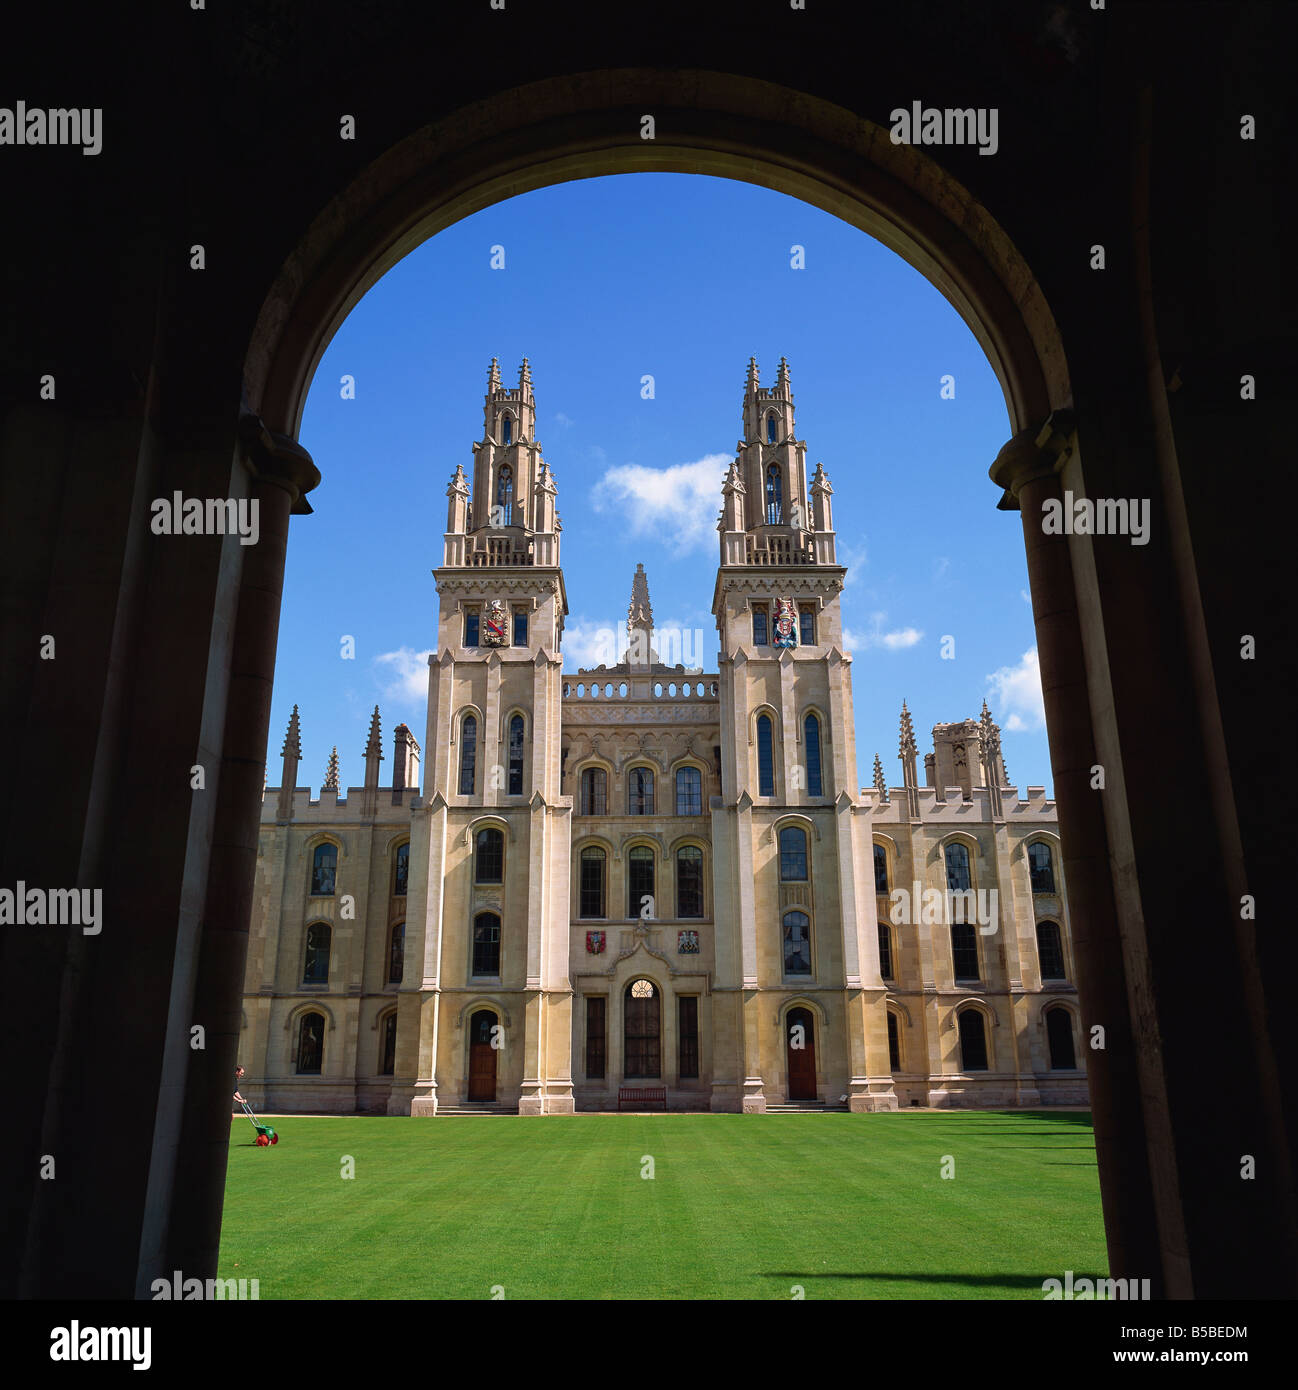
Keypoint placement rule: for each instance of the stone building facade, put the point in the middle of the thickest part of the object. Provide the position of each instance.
(644, 877)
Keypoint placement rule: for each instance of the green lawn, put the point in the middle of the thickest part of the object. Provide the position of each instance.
(740, 1206)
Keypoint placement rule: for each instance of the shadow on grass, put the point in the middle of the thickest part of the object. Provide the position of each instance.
(982, 1281)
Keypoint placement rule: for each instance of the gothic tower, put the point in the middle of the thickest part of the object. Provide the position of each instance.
(485, 993)
(798, 929)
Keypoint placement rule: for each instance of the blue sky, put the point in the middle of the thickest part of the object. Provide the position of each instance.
(682, 278)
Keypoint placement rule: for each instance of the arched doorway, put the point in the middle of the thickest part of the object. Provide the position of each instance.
(800, 1050)
(642, 1030)
(482, 1056)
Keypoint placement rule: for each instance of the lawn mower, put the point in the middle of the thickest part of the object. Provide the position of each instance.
(265, 1135)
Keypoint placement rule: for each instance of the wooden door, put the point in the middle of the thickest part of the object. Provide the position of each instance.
(800, 1047)
(482, 1057)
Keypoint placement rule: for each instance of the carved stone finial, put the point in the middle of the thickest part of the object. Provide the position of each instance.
(331, 772)
(292, 739)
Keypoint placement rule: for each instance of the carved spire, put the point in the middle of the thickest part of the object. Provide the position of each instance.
(493, 376)
(293, 739)
(331, 772)
(640, 621)
(879, 784)
(525, 381)
(751, 381)
(782, 376)
(908, 748)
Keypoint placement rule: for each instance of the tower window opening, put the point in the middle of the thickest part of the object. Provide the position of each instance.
(505, 495)
(774, 496)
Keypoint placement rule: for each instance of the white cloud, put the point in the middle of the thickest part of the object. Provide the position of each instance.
(564, 420)
(406, 672)
(1015, 691)
(940, 569)
(898, 639)
(677, 505)
(854, 558)
(588, 642)
(1026, 597)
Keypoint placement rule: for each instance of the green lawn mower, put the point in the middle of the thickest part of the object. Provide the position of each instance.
(265, 1135)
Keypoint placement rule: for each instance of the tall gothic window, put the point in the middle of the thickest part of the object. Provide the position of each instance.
(689, 881)
(489, 857)
(957, 868)
(640, 792)
(595, 1035)
(687, 1013)
(973, 1041)
(310, 1044)
(770, 428)
(894, 1043)
(1050, 951)
(397, 954)
(793, 854)
(506, 430)
(880, 869)
(520, 628)
(594, 792)
(689, 791)
(516, 755)
(388, 1062)
(468, 754)
(401, 877)
(797, 943)
(1041, 868)
(486, 944)
(505, 494)
(760, 638)
(315, 966)
(765, 756)
(1059, 1034)
(640, 880)
(591, 889)
(807, 627)
(885, 951)
(324, 868)
(811, 739)
(964, 951)
(774, 496)
(471, 628)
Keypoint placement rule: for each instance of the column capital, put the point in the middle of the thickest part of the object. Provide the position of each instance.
(1032, 454)
(278, 459)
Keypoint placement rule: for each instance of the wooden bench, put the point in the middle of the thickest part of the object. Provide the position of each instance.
(640, 1096)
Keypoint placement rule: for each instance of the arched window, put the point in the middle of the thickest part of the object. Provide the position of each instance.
(506, 430)
(489, 857)
(807, 627)
(401, 875)
(811, 740)
(594, 792)
(689, 791)
(388, 1052)
(397, 954)
(689, 881)
(1059, 1034)
(324, 869)
(1041, 868)
(315, 966)
(973, 1041)
(793, 854)
(505, 494)
(640, 792)
(894, 1043)
(765, 756)
(774, 496)
(880, 869)
(486, 944)
(1050, 951)
(640, 881)
(641, 1030)
(964, 950)
(468, 754)
(310, 1044)
(770, 428)
(591, 885)
(797, 943)
(516, 755)
(957, 868)
(885, 951)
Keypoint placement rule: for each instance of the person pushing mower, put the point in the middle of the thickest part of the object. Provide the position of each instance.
(265, 1135)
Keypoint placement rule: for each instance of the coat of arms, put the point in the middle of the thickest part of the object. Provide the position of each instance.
(594, 943)
(687, 943)
(786, 623)
(495, 624)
